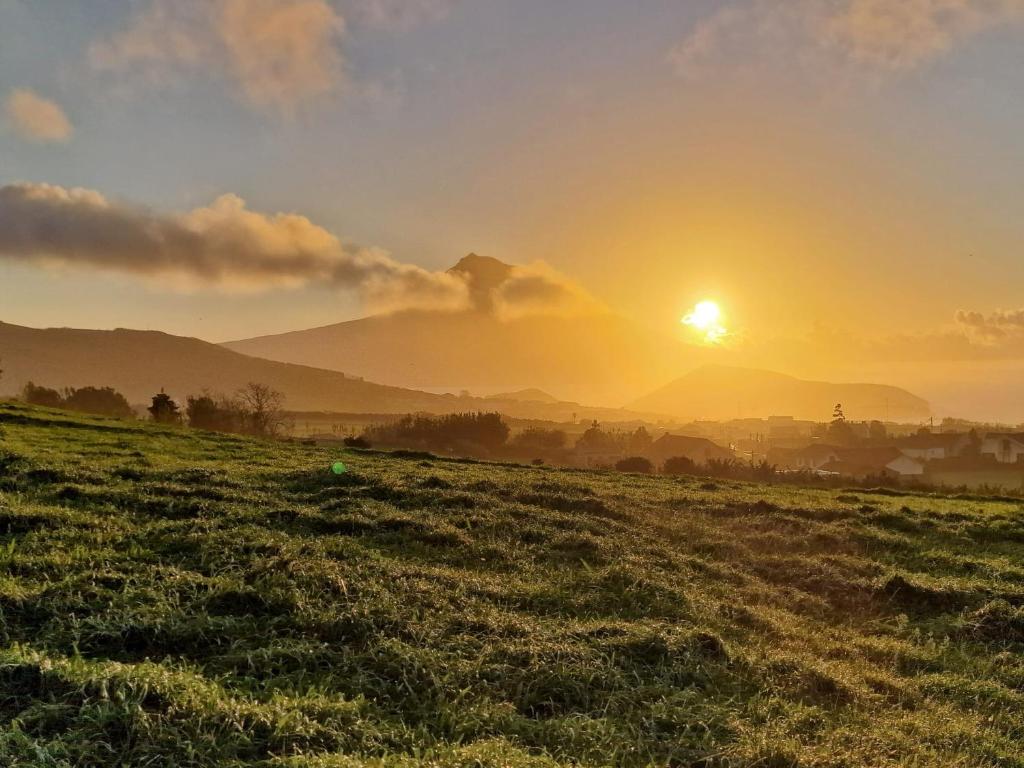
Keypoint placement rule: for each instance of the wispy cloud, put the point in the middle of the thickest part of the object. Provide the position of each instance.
(398, 14)
(37, 119)
(280, 54)
(885, 35)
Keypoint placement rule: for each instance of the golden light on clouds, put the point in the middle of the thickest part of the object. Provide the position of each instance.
(706, 321)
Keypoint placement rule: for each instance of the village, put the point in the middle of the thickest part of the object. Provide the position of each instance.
(952, 455)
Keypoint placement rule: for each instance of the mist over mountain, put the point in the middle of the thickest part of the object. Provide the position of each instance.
(580, 351)
(141, 363)
(722, 392)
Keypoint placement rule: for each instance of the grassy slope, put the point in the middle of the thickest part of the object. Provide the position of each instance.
(170, 598)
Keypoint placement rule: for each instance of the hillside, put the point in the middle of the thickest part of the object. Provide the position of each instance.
(720, 392)
(173, 598)
(141, 363)
(596, 358)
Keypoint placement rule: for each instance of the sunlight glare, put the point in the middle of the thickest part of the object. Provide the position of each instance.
(706, 320)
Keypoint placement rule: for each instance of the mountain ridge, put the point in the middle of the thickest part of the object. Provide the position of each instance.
(141, 363)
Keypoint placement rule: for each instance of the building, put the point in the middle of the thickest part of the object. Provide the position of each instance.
(928, 446)
(1004, 447)
(811, 457)
(699, 450)
(876, 460)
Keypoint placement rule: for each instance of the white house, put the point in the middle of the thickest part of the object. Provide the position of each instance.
(815, 456)
(928, 446)
(1005, 447)
(906, 466)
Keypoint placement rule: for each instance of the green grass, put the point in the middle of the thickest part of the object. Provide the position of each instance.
(175, 598)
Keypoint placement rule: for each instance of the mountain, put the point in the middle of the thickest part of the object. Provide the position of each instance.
(721, 392)
(591, 358)
(141, 363)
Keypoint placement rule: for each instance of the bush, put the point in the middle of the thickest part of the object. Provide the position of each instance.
(636, 464)
(538, 439)
(214, 415)
(679, 465)
(36, 395)
(469, 432)
(102, 401)
(357, 442)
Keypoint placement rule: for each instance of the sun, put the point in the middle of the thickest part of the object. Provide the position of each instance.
(706, 320)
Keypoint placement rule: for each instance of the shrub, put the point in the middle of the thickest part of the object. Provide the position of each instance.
(466, 431)
(36, 395)
(216, 415)
(538, 439)
(102, 401)
(679, 465)
(636, 464)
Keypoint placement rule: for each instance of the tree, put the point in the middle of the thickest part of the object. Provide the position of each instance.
(261, 407)
(636, 464)
(839, 430)
(596, 440)
(44, 396)
(877, 431)
(639, 442)
(164, 410)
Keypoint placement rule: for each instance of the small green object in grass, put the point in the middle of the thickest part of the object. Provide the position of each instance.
(338, 468)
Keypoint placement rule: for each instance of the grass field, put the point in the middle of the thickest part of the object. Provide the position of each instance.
(175, 598)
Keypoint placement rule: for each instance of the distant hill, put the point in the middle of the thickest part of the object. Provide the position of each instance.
(141, 363)
(526, 396)
(720, 392)
(594, 358)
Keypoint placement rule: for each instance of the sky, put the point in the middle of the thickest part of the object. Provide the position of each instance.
(845, 178)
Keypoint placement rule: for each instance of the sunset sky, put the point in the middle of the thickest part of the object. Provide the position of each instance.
(844, 177)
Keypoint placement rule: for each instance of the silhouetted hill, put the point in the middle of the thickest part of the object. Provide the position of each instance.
(530, 395)
(594, 358)
(141, 363)
(720, 392)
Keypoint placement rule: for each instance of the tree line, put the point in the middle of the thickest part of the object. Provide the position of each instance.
(255, 409)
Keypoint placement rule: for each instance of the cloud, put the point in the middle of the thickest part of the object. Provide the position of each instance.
(37, 119)
(227, 247)
(708, 37)
(993, 329)
(279, 54)
(224, 246)
(538, 289)
(880, 34)
(399, 14)
(905, 34)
